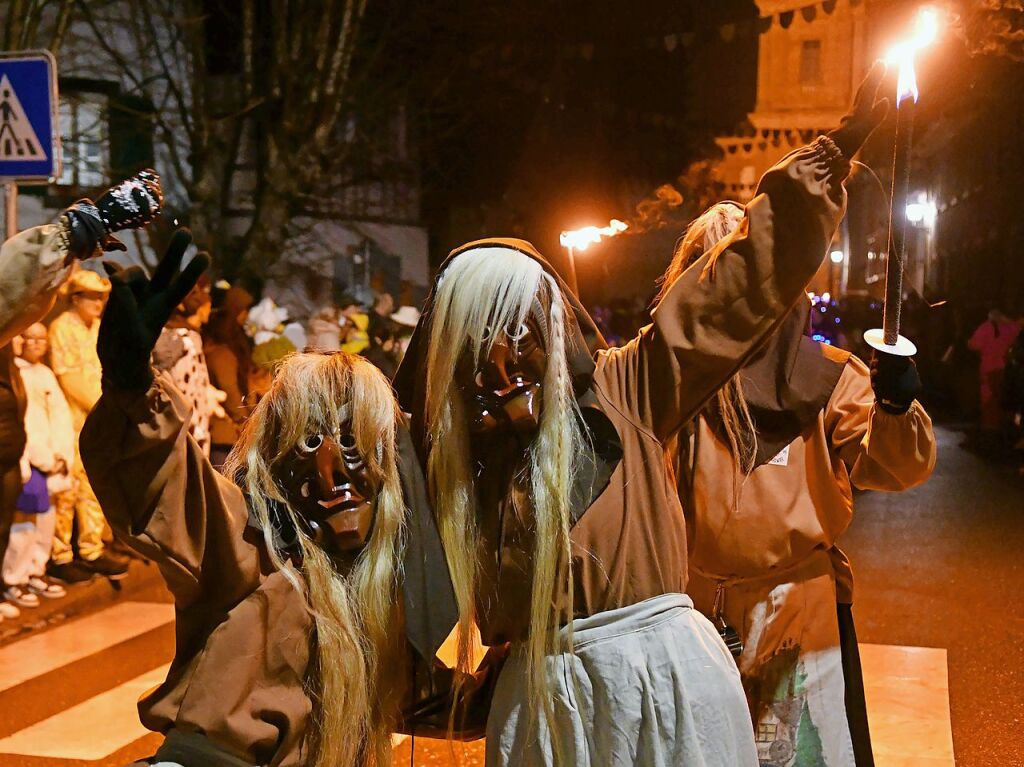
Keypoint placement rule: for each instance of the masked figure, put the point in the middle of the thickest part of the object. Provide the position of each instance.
(545, 455)
(293, 582)
(766, 474)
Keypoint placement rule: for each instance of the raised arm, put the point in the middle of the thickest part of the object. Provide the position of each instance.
(35, 263)
(720, 309)
(160, 493)
(151, 478)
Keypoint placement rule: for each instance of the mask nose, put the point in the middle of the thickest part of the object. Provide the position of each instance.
(328, 465)
(494, 373)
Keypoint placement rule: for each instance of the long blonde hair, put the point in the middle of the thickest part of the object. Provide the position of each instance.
(358, 621)
(703, 234)
(481, 293)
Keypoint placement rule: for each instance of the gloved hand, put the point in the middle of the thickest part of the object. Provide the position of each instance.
(864, 116)
(130, 205)
(138, 309)
(895, 381)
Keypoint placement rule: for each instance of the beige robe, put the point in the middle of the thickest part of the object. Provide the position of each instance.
(766, 547)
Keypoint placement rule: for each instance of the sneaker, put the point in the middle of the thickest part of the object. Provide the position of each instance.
(21, 596)
(7, 610)
(43, 588)
(107, 565)
(69, 572)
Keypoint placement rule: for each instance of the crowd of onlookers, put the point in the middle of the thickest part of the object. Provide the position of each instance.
(219, 348)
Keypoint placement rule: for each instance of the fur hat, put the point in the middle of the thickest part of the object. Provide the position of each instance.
(86, 281)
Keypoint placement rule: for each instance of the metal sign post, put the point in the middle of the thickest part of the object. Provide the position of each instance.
(10, 209)
(29, 125)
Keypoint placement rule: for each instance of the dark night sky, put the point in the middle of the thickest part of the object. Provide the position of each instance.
(518, 138)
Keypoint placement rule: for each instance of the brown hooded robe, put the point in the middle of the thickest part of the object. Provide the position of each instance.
(629, 540)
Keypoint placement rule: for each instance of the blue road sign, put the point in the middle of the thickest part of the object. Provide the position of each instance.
(29, 138)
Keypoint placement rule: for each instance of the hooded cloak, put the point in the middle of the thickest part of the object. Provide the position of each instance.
(786, 385)
(628, 540)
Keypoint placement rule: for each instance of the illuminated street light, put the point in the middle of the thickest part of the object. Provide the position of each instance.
(922, 212)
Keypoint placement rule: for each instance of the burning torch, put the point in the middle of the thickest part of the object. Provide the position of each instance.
(581, 239)
(888, 339)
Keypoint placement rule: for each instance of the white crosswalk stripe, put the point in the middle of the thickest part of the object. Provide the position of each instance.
(79, 639)
(91, 730)
(907, 693)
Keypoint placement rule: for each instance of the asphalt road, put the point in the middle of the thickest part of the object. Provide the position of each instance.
(940, 566)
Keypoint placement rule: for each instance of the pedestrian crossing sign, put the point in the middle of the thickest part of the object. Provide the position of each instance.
(29, 141)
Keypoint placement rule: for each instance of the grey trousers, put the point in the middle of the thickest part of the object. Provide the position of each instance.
(651, 684)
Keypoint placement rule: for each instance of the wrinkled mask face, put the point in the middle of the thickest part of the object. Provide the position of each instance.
(503, 390)
(328, 484)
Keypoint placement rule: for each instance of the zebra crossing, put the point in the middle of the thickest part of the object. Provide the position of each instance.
(68, 696)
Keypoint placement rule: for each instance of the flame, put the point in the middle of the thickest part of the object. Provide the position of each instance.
(925, 32)
(581, 239)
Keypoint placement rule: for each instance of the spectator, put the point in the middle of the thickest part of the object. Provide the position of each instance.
(179, 353)
(73, 360)
(12, 445)
(355, 336)
(380, 327)
(405, 319)
(324, 330)
(992, 340)
(383, 352)
(229, 360)
(49, 456)
(1013, 395)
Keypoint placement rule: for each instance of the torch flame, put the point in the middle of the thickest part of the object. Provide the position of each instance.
(581, 239)
(902, 54)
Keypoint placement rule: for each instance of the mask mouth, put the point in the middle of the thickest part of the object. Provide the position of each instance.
(343, 498)
(514, 408)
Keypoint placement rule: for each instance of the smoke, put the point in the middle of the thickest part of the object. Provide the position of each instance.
(653, 212)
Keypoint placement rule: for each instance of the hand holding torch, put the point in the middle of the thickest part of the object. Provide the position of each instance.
(887, 339)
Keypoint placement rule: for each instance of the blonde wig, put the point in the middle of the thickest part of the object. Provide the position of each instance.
(357, 615)
(483, 292)
(703, 233)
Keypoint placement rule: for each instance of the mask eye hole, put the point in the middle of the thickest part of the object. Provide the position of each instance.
(311, 443)
(518, 334)
(347, 441)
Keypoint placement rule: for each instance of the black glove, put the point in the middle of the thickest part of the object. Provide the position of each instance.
(865, 115)
(895, 381)
(137, 310)
(130, 205)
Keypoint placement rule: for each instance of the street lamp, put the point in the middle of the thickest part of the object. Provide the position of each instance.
(836, 257)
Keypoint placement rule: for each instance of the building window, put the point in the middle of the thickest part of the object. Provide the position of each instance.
(810, 62)
(85, 143)
(767, 732)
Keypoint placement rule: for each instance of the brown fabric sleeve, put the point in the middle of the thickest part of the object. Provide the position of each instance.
(718, 311)
(32, 268)
(881, 451)
(161, 494)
